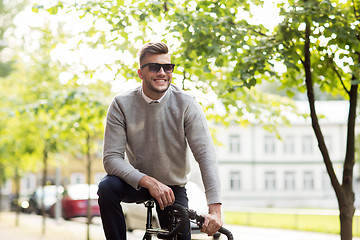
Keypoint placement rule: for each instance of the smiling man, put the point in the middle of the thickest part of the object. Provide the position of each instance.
(147, 133)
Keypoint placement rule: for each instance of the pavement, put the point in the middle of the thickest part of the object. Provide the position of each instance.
(29, 227)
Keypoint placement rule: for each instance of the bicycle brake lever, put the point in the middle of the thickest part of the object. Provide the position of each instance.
(194, 216)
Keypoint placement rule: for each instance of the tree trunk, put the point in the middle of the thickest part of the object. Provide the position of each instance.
(17, 195)
(44, 179)
(344, 192)
(88, 154)
(346, 204)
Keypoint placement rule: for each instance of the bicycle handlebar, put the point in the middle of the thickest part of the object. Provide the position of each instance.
(185, 215)
(200, 221)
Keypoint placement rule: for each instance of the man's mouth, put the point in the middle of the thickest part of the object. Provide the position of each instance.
(160, 80)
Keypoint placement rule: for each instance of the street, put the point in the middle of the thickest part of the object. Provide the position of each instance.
(30, 228)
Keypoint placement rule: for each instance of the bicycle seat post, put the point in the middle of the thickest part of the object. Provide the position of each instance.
(149, 204)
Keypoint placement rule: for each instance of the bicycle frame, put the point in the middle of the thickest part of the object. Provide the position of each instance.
(178, 222)
(180, 217)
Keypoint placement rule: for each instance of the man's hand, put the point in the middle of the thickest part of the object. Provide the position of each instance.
(162, 193)
(213, 220)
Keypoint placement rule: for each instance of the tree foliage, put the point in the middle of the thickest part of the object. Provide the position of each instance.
(211, 47)
(219, 52)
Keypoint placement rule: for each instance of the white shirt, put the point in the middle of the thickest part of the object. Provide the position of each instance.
(149, 100)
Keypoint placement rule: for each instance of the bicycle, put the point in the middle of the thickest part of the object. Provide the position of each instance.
(179, 217)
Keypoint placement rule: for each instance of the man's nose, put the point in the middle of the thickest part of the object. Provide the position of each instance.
(161, 71)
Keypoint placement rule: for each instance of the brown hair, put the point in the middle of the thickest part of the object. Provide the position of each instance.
(152, 48)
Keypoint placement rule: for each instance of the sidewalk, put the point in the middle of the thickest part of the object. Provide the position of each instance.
(30, 228)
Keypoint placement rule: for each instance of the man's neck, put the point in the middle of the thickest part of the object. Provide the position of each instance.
(149, 100)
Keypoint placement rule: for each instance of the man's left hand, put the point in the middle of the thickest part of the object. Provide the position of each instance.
(213, 220)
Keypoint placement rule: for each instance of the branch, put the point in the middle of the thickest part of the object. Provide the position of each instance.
(314, 119)
(355, 13)
(350, 143)
(338, 74)
(291, 46)
(258, 32)
(356, 17)
(165, 7)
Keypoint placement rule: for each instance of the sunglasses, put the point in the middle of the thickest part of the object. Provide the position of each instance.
(155, 67)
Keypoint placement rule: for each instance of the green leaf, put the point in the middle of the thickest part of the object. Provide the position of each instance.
(53, 10)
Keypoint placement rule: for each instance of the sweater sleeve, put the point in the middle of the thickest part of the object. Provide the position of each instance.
(115, 145)
(202, 147)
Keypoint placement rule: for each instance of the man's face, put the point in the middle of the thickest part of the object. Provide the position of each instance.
(155, 83)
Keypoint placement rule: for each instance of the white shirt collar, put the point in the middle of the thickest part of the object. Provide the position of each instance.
(149, 100)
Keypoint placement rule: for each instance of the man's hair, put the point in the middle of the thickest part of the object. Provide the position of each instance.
(152, 48)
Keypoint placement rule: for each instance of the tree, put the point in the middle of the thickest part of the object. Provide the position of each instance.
(8, 11)
(83, 116)
(319, 42)
(221, 53)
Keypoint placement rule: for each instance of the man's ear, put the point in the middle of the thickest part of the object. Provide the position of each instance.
(140, 73)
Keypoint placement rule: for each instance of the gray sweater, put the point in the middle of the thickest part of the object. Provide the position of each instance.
(155, 138)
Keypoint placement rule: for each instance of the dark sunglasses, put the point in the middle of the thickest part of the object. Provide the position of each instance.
(155, 67)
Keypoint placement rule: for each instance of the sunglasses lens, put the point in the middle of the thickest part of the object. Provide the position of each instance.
(154, 67)
(168, 68)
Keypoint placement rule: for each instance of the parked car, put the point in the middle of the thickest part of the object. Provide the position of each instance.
(20, 202)
(135, 214)
(75, 200)
(51, 194)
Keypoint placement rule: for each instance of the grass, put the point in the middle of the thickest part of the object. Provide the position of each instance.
(305, 222)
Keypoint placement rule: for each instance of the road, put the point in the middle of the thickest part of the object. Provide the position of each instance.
(30, 228)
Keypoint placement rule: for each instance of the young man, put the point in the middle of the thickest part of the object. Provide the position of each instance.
(153, 125)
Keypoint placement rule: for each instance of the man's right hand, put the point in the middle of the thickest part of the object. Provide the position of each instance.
(162, 193)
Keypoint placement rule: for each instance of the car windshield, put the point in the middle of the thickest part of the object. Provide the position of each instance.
(81, 191)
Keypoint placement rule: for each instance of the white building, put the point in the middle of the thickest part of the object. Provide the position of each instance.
(259, 170)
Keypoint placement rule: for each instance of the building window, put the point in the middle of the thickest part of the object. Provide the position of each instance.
(234, 143)
(269, 144)
(289, 179)
(77, 178)
(289, 145)
(28, 182)
(270, 181)
(235, 180)
(308, 180)
(307, 144)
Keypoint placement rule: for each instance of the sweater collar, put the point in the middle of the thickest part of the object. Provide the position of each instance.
(149, 100)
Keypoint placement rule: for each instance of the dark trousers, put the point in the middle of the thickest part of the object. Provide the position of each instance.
(113, 190)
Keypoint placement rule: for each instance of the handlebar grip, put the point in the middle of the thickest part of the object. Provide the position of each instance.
(184, 219)
(226, 232)
(200, 221)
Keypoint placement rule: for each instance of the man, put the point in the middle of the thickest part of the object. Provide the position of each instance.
(153, 125)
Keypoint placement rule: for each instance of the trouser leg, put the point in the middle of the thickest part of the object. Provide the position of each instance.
(112, 191)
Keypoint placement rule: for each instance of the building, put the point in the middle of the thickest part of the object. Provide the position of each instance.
(258, 169)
